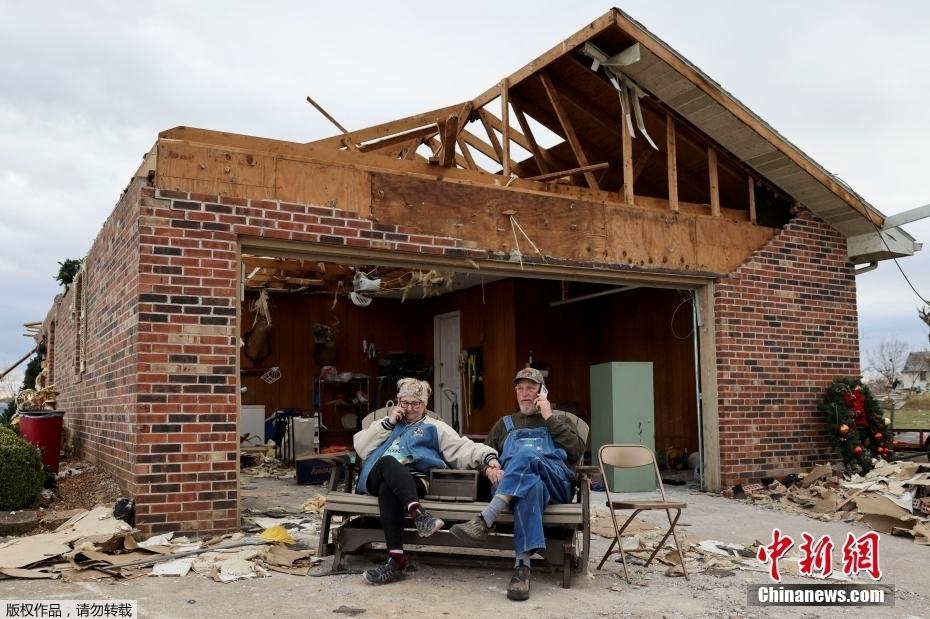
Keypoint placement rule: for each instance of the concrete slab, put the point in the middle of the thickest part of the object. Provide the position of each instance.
(18, 522)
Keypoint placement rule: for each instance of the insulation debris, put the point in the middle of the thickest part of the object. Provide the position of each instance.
(314, 505)
(269, 466)
(277, 533)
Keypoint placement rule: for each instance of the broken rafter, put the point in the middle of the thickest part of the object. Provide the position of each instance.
(438, 153)
(384, 130)
(396, 140)
(449, 130)
(349, 143)
(551, 175)
(567, 127)
(326, 114)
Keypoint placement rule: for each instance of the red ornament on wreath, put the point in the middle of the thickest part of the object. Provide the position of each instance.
(857, 450)
(879, 436)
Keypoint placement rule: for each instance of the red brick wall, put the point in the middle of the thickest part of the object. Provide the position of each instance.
(786, 326)
(99, 403)
(186, 457)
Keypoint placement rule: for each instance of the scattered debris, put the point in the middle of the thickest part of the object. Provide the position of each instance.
(892, 498)
(97, 525)
(314, 505)
(236, 569)
(176, 567)
(269, 466)
(53, 520)
(69, 472)
(277, 533)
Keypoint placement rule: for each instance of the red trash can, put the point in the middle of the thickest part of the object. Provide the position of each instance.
(43, 429)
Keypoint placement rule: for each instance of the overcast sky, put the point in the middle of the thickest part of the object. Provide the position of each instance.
(85, 87)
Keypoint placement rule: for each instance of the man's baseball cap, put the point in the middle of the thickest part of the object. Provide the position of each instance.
(529, 374)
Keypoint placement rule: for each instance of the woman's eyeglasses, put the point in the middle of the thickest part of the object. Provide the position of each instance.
(408, 404)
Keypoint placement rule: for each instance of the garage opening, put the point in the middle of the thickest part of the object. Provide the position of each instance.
(344, 330)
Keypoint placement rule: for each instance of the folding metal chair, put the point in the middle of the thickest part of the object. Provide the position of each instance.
(628, 457)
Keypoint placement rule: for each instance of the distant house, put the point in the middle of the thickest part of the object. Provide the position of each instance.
(916, 369)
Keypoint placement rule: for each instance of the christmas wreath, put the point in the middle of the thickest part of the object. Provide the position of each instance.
(858, 430)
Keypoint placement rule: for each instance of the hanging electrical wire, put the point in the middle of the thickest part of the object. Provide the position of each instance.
(897, 264)
(686, 296)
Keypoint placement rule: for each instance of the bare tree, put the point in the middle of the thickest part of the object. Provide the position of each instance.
(10, 384)
(888, 360)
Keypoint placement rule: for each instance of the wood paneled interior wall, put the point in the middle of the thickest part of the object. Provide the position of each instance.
(392, 326)
(650, 324)
(509, 319)
(634, 325)
(487, 320)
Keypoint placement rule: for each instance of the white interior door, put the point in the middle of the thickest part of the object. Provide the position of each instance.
(447, 384)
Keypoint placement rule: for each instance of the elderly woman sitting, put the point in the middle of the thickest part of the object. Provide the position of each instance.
(399, 451)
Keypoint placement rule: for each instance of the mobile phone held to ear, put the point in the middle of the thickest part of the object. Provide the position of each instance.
(543, 392)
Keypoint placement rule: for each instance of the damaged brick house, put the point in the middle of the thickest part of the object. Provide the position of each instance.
(608, 202)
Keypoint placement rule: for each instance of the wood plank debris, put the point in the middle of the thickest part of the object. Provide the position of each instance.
(889, 498)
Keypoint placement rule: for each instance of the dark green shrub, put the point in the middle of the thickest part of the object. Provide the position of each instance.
(21, 472)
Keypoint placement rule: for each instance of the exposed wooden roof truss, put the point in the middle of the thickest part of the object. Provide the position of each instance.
(557, 125)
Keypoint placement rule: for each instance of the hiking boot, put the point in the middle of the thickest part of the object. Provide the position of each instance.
(473, 531)
(384, 574)
(427, 524)
(519, 588)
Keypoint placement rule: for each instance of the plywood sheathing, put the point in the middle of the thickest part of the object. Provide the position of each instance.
(565, 228)
(648, 236)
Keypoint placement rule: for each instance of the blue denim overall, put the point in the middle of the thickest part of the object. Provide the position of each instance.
(535, 474)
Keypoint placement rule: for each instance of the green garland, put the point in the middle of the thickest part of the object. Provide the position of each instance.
(858, 430)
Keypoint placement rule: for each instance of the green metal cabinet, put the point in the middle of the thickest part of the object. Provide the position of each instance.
(623, 411)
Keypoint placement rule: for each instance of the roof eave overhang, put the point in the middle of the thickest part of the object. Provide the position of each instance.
(880, 245)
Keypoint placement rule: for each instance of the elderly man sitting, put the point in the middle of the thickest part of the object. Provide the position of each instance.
(535, 448)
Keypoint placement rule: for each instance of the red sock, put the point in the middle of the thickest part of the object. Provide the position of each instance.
(400, 560)
(413, 509)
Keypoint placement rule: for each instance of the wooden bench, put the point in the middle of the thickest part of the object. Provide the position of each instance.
(562, 523)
